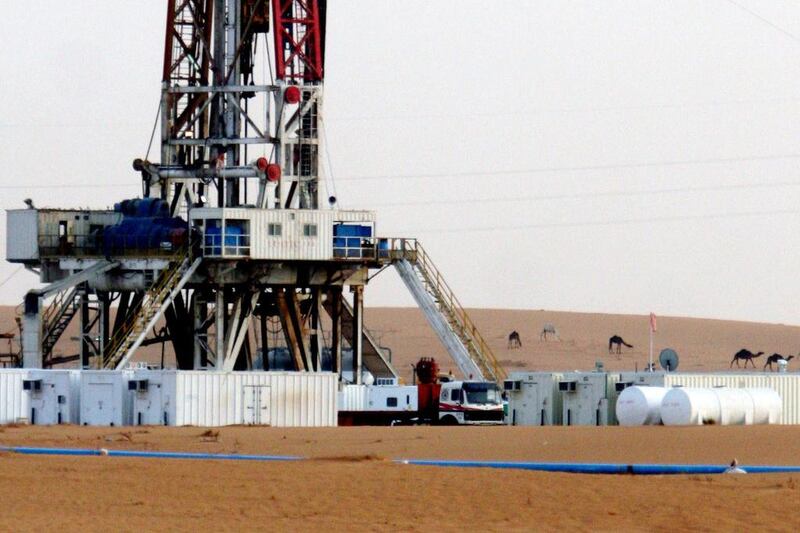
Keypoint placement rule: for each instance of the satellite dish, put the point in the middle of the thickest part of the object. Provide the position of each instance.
(668, 359)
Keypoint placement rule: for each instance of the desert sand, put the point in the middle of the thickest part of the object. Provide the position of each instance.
(702, 344)
(349, 483)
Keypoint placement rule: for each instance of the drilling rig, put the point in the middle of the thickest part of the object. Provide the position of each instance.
(234, 236)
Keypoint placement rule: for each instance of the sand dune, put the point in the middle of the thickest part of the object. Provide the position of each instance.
(702, 344)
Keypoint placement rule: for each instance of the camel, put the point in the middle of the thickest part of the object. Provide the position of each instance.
(616, 339)
(774, 358)
(514, 341)
(548, 329)
(747, 355)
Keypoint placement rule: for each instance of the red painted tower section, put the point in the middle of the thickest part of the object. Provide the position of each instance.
(299, 39)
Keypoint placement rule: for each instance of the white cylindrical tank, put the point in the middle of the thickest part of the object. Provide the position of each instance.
(686, 407)
(767, 405)
(639, 406)
(723, 406)
(735, 407)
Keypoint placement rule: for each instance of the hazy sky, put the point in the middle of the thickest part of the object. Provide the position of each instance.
(615, 156)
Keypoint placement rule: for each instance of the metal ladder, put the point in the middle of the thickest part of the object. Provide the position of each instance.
(57, 317)
(447, 316)
(128, 338)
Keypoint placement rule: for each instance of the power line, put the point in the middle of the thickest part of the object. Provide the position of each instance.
(544, 170)
(765, 20)
(68, 186)
(543, 111)
(598, 194)
(11, 276)
(622, 222)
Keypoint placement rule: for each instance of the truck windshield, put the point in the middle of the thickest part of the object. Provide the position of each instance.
(482, 393)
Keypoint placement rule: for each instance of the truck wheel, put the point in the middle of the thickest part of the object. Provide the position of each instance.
(449, 420)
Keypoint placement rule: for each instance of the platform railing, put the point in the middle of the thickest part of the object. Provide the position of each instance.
(477, 345)
(218, 245)
(121, 338)
(51, 245)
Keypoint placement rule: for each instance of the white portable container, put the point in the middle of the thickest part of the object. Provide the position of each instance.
(533, 398)
(292, 234)
(150, 404)
(392, 398)
(352, 398)
(395, 398)
(721, 406)
(33, 232)
(209, 398)
(587, 398)
(54, 396)
(14, 403)
(639, 406)
(104, 398)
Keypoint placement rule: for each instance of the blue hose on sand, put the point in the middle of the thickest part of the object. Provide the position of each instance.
(573, 468)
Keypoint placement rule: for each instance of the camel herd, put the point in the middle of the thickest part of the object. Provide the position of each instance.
(615, 344)
(748, 356)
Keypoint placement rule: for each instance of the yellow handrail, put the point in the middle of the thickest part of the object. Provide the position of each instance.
(482, 351)
(154, 294)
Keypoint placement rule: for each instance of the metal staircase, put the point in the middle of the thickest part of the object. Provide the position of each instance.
(446, 315)
(57, 317)
(129, 337)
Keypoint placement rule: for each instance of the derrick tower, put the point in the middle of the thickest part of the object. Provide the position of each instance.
(234, 254)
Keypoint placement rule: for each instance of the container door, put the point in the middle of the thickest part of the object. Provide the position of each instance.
(256, 405)
(148, 406)
(101, 404)
(49, 403)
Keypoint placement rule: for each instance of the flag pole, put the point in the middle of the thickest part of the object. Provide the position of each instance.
(653, 328)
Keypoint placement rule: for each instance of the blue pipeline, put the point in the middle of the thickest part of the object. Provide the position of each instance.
(574, 468)
(154, 455)
(602, 468)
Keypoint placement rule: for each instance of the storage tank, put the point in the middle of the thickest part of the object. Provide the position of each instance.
(767, 406)
(640, 406)
(723, 406)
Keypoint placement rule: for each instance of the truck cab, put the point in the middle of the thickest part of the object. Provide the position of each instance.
(470, 402)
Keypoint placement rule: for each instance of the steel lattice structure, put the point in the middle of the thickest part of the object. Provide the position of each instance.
(230, 235)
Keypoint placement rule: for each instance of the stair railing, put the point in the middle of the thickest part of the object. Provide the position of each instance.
(450, 303)
(154, 295)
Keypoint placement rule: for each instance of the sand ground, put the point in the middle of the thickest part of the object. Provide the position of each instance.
(350, 484)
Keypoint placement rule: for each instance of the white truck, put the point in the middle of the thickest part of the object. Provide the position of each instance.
(471, 403)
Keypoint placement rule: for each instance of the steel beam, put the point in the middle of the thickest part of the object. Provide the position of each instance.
(358, 332)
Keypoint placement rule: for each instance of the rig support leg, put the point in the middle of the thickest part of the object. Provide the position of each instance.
(219, 326)
(32, 332)
(358, 332)
(336, 330)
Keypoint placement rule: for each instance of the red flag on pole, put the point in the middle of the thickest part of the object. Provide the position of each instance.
(653, 322)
